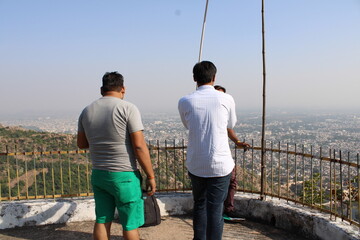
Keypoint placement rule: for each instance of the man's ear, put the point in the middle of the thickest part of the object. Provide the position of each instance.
(122, 93)
(102, 91)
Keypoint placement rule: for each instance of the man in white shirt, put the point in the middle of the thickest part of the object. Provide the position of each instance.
(208, 114)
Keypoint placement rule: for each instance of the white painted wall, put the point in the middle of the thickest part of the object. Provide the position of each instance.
(285, 215)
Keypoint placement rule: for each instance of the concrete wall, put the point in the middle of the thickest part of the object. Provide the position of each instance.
(279, 213)
(42, 212)
(294, 218)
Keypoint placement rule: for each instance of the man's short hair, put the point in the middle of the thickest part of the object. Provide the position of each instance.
(204, 72)
(218, 87)
(112, 81)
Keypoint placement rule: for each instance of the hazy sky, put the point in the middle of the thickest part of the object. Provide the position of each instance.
(53, 54)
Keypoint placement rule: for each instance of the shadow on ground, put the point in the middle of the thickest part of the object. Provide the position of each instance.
(171, 228)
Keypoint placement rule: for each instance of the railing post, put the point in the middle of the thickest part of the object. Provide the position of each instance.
(243, 167)
(158, 165)
(279, 171)
(296, 173)
(349, 207)
(183, 163)
(311, 175)
(26, 179)
(69, 171)
(358, 184)
(61, 172)
(303, 174)
(252, 169)
(17, 173)
(287, 173)
(321, 180)
(8, 171)
(331, 186)
(272, 173)
(341, 187)
(166, 167)
(35, 172)
(335, 202)
(43, 169)
(52, 174)
(87, 173)
(174, 163)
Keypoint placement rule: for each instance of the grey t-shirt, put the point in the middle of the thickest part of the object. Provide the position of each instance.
(107, 124)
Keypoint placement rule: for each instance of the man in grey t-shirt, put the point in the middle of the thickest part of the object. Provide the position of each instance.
(112, 129)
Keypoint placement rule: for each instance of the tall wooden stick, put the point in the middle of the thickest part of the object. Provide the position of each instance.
(203, 31)
(263, 145)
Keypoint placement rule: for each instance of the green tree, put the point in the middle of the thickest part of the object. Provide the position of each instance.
(312, 191)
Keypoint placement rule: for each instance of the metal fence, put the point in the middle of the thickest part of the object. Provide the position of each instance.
(324, 180)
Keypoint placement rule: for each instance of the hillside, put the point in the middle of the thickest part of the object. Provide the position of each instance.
(25, 140)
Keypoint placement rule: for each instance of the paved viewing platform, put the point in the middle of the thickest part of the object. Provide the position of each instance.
(171, 228)
(73, 218)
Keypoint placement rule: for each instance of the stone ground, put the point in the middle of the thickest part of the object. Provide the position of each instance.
(171, 228)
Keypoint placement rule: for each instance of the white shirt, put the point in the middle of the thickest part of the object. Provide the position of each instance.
(207, 113)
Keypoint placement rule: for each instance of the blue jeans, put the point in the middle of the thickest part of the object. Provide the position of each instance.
(209, 195)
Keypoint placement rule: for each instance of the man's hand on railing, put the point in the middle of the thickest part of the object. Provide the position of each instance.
(243, 145)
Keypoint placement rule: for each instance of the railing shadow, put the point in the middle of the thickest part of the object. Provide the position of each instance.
(35, 213)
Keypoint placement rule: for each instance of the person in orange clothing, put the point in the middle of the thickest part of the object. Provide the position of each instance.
(229, 209)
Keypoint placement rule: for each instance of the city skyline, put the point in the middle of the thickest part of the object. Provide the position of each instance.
(335, 131)
(53, 54)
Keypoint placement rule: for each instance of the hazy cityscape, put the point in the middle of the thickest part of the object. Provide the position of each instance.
(335, 131)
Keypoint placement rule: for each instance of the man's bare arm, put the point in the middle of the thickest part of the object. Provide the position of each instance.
(234, 138)
(82, 141)
(143, 156)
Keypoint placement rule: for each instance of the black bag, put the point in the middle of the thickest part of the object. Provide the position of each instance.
(152, 211)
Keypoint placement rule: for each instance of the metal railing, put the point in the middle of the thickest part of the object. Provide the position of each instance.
(323, 180)
(44, 174)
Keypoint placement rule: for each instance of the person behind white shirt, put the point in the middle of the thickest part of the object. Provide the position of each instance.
(208, 114)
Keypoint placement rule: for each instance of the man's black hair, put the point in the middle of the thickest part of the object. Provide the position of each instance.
(112, 81)
(204, 72)
(218, 87)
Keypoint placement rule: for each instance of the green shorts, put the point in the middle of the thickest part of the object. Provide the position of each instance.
(121, 190)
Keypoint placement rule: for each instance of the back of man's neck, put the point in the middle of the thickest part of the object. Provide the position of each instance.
(207, 84)
(112, 94)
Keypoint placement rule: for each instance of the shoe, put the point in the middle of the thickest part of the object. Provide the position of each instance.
(232, 217)
(232, 214)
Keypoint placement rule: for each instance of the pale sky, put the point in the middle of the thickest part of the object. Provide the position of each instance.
(53, 54)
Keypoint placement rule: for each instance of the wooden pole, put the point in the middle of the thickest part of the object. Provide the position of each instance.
(263, 151)
(203, 31)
